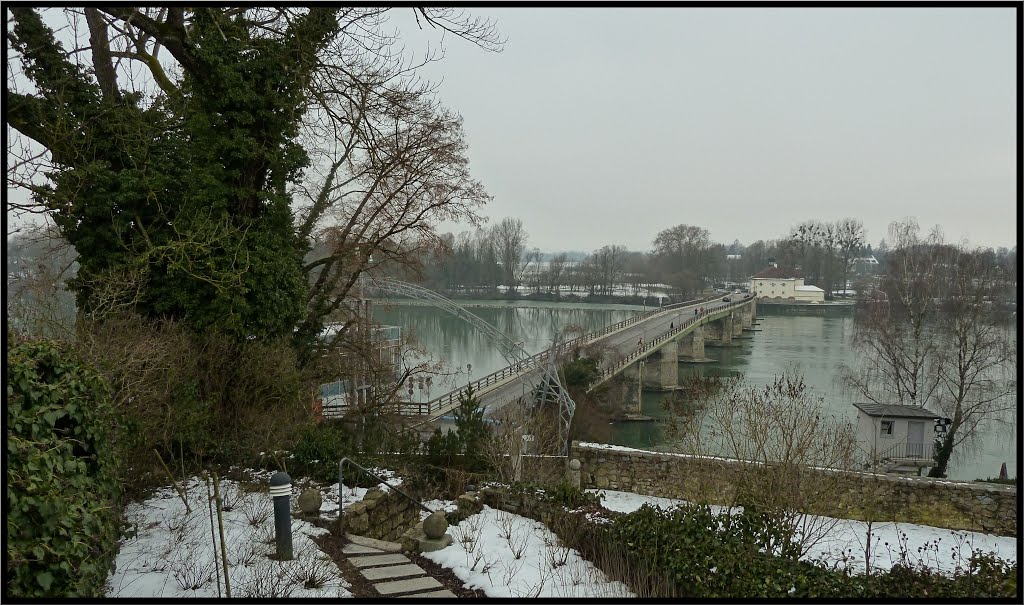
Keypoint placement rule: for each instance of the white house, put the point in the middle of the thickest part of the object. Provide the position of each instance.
(896, 438)
(784, 285)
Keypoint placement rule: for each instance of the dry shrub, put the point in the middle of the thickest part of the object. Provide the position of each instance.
(778, 437)
(195, 398)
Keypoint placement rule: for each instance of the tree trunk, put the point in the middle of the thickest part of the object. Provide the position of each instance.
(942, 455)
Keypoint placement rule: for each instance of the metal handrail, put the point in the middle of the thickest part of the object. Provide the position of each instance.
(341, 486)
(640, 351)
(905, 450)
(531, 362)
(430, 407)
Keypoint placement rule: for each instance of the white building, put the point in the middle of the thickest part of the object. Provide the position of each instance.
(785, 286)
(896, 438)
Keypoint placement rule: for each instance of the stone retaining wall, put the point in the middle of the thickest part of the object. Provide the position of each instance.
(990, 508)
(380, 515)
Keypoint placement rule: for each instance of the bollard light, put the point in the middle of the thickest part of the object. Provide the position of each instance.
(281, 491)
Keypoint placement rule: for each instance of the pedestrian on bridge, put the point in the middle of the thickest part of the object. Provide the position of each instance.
(672, 325)
(640, 342)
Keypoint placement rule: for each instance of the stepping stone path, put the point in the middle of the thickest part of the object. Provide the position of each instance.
(393, 574)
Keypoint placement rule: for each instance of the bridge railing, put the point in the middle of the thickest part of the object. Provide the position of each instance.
(533, 361)
(656, 341)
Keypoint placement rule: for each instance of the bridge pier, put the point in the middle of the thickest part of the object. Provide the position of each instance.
(631, 390)
(737, 323)
(661, 368)
(691, 347)
(719, 331)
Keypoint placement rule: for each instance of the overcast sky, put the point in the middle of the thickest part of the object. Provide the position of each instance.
(605, 125)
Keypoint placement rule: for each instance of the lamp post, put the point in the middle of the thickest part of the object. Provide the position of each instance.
(469, 374)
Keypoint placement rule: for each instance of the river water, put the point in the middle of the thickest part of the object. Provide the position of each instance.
(815, 345)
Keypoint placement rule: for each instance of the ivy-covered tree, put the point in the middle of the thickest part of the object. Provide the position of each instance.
(195, 156)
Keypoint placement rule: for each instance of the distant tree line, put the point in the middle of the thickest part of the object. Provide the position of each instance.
(684, 259)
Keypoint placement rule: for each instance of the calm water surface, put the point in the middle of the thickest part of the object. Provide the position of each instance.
(815, 345)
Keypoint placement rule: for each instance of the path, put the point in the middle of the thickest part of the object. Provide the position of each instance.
(393, 574)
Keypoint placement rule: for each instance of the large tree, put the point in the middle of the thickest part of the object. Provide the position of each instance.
(179, 144)
(683, 256)
(509, 237)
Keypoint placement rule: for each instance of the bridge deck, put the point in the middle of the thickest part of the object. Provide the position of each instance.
(633, 338)
(655, 328)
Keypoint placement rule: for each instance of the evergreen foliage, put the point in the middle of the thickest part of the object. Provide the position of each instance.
(62, 512)
(699, 553)
(461, 448)
(181, 200)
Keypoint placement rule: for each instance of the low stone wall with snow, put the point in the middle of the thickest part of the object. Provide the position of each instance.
(989, 508)
(380, 515)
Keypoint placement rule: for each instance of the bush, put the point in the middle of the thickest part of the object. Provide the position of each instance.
(319, 449)
(63, 517)
(196, 399)
(572, 497)
(698, 553)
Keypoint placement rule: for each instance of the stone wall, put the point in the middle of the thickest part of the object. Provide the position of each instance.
(380, 515)
(989, 508)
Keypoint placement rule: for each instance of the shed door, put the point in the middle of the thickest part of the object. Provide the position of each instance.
(915, 439)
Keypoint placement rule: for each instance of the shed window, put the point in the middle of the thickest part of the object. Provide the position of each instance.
(886, 430)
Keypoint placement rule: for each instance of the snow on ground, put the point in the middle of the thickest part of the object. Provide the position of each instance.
(447, 506)
(172, 551)
(507, 555)
(938, 548)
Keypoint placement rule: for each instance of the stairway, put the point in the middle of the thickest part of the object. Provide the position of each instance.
(393, 574)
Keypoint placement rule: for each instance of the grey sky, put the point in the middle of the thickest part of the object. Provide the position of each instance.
(603, 126)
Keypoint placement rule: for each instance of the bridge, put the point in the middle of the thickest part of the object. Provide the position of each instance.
(648, 346)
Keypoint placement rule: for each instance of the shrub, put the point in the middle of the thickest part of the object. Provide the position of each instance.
(319, 449)
(698, 553)
(571, 497)
(63, 519)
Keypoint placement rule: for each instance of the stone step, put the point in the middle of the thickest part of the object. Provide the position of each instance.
(411, 585)
(437, 593)
(394, 571)
(374, 543)
(374, 560)
(359, 549)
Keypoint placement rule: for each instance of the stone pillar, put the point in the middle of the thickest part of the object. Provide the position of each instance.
(631, 389)
(746, 316)
(725, 329)
(692, 348)
(661, 370)
(574, 473)
(737, 323)
(712, 331)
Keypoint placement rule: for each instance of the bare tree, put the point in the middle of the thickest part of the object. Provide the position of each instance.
(609, 263)
(977, 354)
(39, 264)
(934, 337)
(556, 271)
(510, 245)
(849, 241)
(899, 350)
(779, 436)
(682, 253)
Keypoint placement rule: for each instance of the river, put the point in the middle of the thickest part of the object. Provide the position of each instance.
(816, 345)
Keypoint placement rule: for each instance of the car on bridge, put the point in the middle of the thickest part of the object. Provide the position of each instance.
(726, 299)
